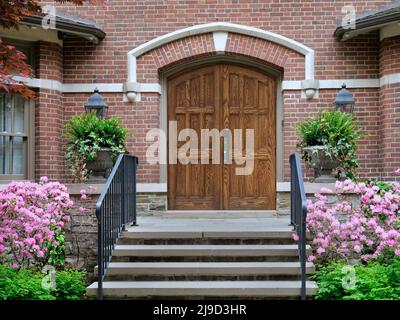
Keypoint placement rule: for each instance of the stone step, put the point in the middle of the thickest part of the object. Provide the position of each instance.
(205, 250)
(274, 236)
(214, 234)
(165, 271)
(196, 289)
(192, 253)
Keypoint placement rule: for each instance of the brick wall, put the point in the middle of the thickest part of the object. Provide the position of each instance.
(311, 22)
(131, 23)
(367, 114)
(49, 121)
(390, 107)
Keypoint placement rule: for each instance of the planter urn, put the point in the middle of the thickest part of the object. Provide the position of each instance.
(100, 166)
(322, 164)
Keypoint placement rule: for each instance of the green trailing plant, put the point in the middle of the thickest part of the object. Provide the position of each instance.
(338, 132)
(27, 284)
(86, 135)
(372, 281)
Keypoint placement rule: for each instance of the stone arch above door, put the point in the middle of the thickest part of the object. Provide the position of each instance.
(144, 62)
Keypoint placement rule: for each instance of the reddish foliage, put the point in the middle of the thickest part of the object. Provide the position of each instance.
(12, 61)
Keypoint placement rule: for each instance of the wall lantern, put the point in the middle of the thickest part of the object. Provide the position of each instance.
(344, 100)
(96, 105)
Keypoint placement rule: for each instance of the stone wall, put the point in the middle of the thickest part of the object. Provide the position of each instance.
(283, 200)
(81, 234)
(147, 202)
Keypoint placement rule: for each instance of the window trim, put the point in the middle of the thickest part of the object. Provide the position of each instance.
(29, 151)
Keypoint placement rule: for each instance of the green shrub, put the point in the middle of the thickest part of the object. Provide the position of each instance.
(335, 130)
(86, 135)
(22, 285)
(25, 284)
(70, 285)
(373, 281)
(57, 253)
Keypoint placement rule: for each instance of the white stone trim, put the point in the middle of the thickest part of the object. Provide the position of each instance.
(390, 79)
(151, 187)
(142, 87)
(389, 31)
(220, 32)
(89, 87)
(41, 83)
(86, 87)
(220, 39)
(309, 187)
(156, 87)
(220, 27)
(350, 83)
(334, 84)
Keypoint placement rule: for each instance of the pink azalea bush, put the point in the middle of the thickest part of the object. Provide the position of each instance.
(30, 215)
(366, 231)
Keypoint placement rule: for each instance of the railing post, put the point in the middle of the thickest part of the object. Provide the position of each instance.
(123, 182)
(100, 255)
(135, 163)
(304, 256)
(292, 200)
(298, 212)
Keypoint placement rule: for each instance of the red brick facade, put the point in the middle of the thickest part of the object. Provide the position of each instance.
(129, 24)
(390, 106)
(49, 114)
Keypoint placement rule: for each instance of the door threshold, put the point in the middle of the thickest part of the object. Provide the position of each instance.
(216, 214)
(221, 211)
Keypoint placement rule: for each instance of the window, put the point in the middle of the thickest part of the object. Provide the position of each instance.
(16, 137)
(28, 48)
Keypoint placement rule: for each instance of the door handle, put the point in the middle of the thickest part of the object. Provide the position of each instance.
(227, 145)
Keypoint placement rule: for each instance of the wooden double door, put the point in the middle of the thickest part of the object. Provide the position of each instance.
(224, 96)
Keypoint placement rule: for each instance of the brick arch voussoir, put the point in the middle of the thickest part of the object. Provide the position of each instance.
(290, 63)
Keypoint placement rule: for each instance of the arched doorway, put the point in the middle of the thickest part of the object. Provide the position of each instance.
(222, 96)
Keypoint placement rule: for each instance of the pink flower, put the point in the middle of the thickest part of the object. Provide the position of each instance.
(397, 252)
(28, 213)
(372, 223)
(338, 185)
(326, 190)
(295, 237)
(311, 258)
(44, 180)
(392, 234)
(341, 230)
(82, 209)
(30, 241)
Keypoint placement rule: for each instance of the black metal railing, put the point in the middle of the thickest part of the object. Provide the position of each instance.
(298, 214)
(115, 209)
